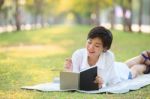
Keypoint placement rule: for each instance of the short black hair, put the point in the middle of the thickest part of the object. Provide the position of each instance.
(104, 34)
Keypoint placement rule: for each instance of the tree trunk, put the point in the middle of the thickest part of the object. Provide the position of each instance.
(42, 20)
(78, 19)
(112, 16)
(130, 19)
(124, 19)
(97, 13)
(17, 16)
(35, 20)
(1, 3)
(140, 14)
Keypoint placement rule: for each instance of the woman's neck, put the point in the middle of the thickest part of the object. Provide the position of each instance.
(92, 60)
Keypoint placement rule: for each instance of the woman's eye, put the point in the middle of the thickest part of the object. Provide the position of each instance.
(97, 46)
(89, 42)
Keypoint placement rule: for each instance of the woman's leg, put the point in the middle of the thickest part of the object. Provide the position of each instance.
(144, 58)
(137, 69)
(134, 61)
(139, 64)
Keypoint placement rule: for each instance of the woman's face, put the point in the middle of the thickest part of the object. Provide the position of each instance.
(94, 47)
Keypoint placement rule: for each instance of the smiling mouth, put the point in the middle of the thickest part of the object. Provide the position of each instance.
(92, 52)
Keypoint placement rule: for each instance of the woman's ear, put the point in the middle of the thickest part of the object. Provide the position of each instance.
(105, 49)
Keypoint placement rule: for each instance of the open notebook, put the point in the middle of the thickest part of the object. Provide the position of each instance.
(83, 80)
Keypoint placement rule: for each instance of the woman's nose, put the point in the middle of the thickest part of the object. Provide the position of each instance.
(91, 47)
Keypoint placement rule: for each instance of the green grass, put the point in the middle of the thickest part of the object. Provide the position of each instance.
(27, 57)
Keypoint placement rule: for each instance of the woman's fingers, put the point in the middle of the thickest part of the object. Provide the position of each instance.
(99, 80)
(68, 64)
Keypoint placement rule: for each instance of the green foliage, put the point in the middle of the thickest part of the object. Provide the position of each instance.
(124, 3)
(87, 7)
(1, 3)
(81, 7)
(40, 7)
(28, 57)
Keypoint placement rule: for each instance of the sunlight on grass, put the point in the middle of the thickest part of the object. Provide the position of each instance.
(13, 94)
(61, 30)
(66, 42)
(40, 74)
(7, 60)
(33, 50)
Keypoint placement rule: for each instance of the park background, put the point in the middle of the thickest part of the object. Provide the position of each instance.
(37, 35)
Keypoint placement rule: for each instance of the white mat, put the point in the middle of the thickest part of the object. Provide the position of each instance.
(122, 87)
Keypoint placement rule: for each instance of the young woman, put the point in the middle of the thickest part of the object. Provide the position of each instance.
(97, 53)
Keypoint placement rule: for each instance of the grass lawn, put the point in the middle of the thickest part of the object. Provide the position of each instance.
(28, 57)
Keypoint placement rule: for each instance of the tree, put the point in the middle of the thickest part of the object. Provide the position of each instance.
(7, 12)
(127, 9)
(40, 9)
(140, 14)
(112, 15)
(17, 16)
(91, 8)
(1, 3)
(129, 22)
(85, 11)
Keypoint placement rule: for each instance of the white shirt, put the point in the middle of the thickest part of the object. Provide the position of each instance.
(105, 64)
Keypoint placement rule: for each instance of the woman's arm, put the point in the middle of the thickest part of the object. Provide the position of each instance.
(73, 64)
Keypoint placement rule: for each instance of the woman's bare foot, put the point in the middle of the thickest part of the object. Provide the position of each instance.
(146, 57)
(146, 60)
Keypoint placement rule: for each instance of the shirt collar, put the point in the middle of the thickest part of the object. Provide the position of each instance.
(100, 63)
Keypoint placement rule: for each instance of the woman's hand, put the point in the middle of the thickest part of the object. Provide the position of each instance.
(99, 80)
(68, 64)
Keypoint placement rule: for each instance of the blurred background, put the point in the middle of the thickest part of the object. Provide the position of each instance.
(127, 15)
(36, 36)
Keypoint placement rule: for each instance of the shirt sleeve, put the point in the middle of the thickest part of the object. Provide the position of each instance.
(114, 78)
(77, 58)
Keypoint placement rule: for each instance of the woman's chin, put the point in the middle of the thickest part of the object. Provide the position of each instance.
(90, 54)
